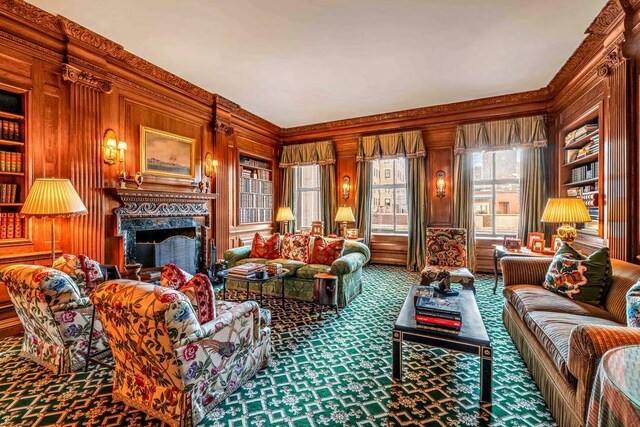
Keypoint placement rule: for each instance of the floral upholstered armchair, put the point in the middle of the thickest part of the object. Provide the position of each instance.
(447, 251)
(167, 363)
(55, 314)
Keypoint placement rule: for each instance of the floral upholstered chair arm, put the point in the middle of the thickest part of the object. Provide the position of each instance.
(72, 305)
(348, 263)
(222, 341)
(524, 271)
(587, 345)
(236, 254)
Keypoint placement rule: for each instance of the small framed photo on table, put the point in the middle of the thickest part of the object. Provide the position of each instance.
(531, 237)
(538, 245)
(556, 242)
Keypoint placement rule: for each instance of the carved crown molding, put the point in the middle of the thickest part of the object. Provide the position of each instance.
(608, 16)
(415, 113)
(157, 203)
(224, 127)
(31, 14)
(76, 75)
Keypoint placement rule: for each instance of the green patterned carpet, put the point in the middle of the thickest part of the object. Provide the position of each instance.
(330, 372)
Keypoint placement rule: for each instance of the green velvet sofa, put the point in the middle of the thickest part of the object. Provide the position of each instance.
(299, 280)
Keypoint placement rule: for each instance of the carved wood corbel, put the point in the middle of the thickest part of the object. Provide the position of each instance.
(224, 127)
(613, 57)
(76, 75)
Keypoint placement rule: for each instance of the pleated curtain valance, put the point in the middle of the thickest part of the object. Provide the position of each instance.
(401, 144)
(312, 153)
(523, 132)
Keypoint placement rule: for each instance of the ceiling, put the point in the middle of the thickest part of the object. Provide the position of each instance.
(297, 62)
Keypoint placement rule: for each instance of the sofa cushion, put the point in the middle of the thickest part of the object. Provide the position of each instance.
(310, 270)
(288, 264)
(200, 292)
(84, 271)
(295, 247)
(527, 298)
(552, 329)
(633, 306)
(173, 276)
(251, 260)
(625, 275)
(326, 251)
(581, 279)
(265, 248)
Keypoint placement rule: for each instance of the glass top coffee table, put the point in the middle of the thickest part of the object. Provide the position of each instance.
(253, 280)
(472, 339)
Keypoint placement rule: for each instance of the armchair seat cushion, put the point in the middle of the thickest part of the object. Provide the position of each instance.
(528, 298)
(553, 329)
(310, 270)
(458, 275)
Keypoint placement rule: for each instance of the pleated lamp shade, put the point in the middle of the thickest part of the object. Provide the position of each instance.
(284, 214)
(345, 214)
(52, 197)
(565, 211)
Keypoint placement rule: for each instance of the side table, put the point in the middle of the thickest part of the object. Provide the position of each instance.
(615, 399)
(325, 291)
(500, 251)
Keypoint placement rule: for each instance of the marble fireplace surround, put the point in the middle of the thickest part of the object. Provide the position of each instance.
(148, 210)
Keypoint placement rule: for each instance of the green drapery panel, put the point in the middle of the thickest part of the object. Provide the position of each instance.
(463, 202)
(417, 208)
(320, 153)
(523, 132)
(364, 192)
(532, 191)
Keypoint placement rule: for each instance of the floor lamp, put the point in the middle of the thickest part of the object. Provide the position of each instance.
(52, 198)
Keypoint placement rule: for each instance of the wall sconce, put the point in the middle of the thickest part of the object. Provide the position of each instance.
(440, 184)
(210, 165)
(109, 143)
(346, 187)
(122, 147)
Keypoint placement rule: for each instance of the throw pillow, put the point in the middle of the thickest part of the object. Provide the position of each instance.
(633, 306)
(200, 293)
(582, 279)
(296, 247)
(84, 271)
(173, 276)
(326, 251)
(265, 248)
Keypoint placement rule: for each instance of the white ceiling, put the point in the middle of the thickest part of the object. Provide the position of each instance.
(297, 62)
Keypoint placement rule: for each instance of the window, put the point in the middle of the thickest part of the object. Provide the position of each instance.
(307, 195)
(389, 210)
(496, 192)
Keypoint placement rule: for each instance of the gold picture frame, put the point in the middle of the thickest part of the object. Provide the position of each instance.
(167, 154)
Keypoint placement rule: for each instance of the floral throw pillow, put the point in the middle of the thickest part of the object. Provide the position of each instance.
(326, 251)
(295, 247)
(84, 271)
(633, 306)
(173, 276)
(582, 279)
(265, 248)
(200, 293)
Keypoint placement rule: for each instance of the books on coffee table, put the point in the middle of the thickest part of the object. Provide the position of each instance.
(245, 271)
(436, 311)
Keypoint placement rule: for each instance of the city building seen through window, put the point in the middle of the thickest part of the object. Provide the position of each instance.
(496, 192)
(389, 213)
(307, 195)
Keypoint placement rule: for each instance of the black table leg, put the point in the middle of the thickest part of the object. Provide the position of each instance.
(396, 363)
(88, 355)
(224, 289)
(486, 372)
(282, 283)
(336, 307)
(261, 284)
(248, 294)
(495, 270)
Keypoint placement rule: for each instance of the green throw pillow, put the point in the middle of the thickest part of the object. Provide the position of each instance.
(582, 279)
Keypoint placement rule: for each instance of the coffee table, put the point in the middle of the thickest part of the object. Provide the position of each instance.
(472, 339)
(249, 281)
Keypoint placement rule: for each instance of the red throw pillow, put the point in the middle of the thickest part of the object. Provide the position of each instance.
(265, 248)
(326, 251)
(200, 293)
(173, 276)
(296, 247)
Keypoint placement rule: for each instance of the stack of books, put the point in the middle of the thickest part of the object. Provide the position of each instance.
(245, 271)
(437, 312)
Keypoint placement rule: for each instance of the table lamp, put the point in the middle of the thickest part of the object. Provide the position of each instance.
(52, 198)
(285, 215)
(345, 215)
(566, 211)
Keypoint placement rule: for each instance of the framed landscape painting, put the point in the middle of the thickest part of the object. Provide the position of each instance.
(166, 154)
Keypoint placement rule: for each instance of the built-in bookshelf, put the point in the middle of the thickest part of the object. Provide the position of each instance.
(256, 190)
(581, 168)
(12, 170)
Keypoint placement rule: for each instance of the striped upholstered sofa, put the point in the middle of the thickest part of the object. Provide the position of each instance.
(562, 340)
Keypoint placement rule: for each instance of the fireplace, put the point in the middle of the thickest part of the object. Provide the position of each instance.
(161, 227)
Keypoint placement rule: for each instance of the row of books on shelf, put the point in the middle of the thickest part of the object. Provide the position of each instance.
(253, 163)
(584, 189)
(256, 174)
(437, 312)
(250, 200)
(253, 186)
(245, 271)
(8, 193)
(249, 215)
(10, 161)
(11, 226)
(10, 130)
(591, 147)
(580, 132)
(581, 173)
(594, 213)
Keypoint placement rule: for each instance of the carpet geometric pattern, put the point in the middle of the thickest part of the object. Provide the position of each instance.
(328, 372)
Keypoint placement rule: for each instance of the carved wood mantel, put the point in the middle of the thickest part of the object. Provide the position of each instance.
(160, 203)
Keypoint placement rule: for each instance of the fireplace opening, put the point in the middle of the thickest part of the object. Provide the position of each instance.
(158, 247)
(158, 235)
